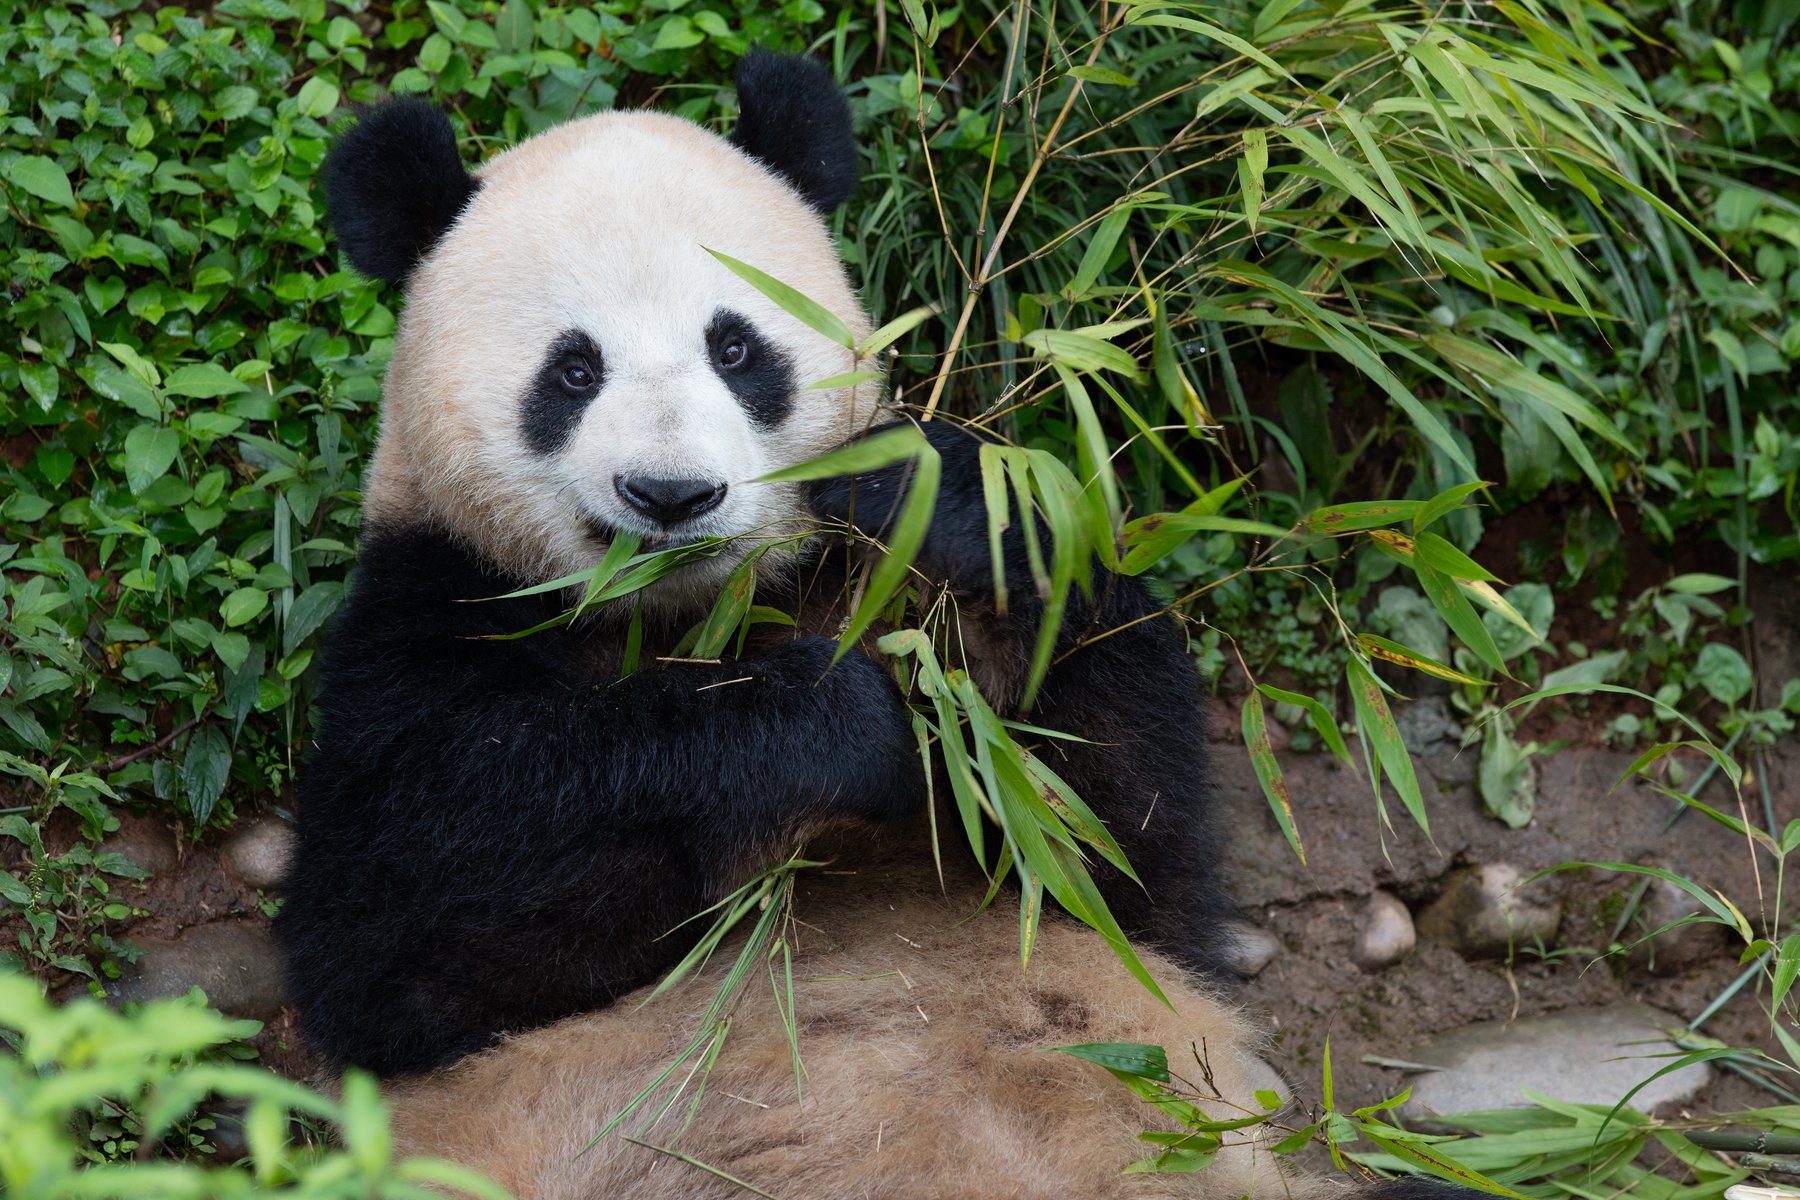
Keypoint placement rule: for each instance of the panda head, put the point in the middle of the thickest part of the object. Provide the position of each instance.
(572, 362)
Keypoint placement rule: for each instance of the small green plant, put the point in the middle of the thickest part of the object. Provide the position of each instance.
(65, 901)
(94, 1102)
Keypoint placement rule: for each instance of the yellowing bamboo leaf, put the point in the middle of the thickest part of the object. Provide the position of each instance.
(1379, 647)
(1268, 771)
(1378, 726)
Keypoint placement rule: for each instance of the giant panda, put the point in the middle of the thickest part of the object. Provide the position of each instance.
(500, 838)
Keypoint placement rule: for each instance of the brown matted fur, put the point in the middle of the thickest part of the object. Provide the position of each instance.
(927, 1070)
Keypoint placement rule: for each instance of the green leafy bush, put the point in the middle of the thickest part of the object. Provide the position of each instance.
(88, 1094)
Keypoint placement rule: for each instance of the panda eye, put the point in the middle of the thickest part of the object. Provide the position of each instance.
(734, 353)
(577, 376)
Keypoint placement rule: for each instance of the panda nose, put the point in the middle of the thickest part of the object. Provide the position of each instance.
(669, 501)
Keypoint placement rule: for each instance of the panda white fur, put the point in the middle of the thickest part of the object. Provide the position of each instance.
(495, 836)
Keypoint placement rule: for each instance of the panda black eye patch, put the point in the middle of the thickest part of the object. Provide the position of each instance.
(568, 378)
(757, 373)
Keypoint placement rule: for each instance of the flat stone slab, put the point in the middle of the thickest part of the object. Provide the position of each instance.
(235, 962)
(1594, 1056)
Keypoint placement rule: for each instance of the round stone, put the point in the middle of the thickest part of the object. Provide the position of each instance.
(1248, 949)
(1492, 911)
(1384, 934)
(259, 851)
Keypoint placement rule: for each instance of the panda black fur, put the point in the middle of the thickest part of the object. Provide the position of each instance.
(497, 836)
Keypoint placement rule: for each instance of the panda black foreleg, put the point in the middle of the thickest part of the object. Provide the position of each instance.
(1122, 680)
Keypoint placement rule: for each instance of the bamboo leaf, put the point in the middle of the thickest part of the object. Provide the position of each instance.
(1377, 722)
(1388, 651)
(1321, 717)
(894, 330)
(1268, 771)
(1443, 504)
(1362, 514)
(1099, 249)
(802, 308)
(1438, 553)
(1459, 614)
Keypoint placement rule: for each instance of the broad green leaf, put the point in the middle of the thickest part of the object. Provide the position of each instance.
(140, 368)
(149, 452)
(203, 381)
(1127, 1058)
(804, 309)
(204, 767)
(1507, 778)
(1723, 672)
(1700, 584)
(42, 177)
(318, 97)
(243, 605)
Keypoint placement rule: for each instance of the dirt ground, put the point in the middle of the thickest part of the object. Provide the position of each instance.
(1312, 990)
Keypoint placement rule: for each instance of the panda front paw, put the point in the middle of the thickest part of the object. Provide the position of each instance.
(862, 721)
(955, 551)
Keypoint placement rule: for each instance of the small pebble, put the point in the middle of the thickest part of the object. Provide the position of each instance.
(1248, 949)
(1384, 933)
(258, 852)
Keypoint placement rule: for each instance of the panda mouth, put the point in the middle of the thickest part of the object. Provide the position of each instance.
(664, 540)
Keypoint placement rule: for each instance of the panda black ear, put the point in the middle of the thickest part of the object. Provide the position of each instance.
(393, 184)
(793, 117)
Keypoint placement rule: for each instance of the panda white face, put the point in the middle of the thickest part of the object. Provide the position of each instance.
(572, 362)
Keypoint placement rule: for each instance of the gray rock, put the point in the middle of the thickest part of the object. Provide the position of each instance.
(1594, 1056)
(146, 842)
(259, 851)
(1662, 905)
(234, 962)
(1248, 949)
(1384, 933)
(1490, 911)
(1426, 726)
